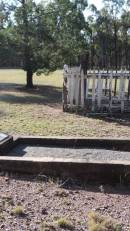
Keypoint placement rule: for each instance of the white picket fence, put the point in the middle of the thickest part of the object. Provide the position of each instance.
(97, 91)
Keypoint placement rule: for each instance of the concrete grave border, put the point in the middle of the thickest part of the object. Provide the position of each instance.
(95, 171)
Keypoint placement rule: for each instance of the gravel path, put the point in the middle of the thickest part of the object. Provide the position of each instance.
(45, 201)
(84, 153)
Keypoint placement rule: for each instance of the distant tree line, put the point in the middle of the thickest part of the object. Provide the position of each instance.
(41, 38)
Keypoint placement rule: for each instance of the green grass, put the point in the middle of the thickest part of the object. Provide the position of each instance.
(39, 111)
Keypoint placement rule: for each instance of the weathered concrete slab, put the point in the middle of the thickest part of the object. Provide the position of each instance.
(83, 153)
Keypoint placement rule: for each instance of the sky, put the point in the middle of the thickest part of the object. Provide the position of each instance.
(97, 3)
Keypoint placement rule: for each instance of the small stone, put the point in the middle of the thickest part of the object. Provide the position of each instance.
(22, 199)
(7, 179)
(44, 211)
(2, 226)
(102, 189)
(97, 209)
(90, 198)
(106, 207)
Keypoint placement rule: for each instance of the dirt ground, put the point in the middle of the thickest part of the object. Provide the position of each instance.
(45, 201)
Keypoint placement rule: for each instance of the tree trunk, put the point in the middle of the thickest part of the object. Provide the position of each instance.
(29, 79)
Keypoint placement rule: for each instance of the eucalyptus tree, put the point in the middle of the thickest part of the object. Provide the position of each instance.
(100, 27)
(68, 25)
(107, 25)
(115, 8)
(125, 38)
(104, 38)
(93, 45)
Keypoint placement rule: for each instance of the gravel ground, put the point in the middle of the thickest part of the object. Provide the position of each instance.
(45, 200)
(80, 153)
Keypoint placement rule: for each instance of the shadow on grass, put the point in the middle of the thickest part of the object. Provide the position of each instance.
(119, 119)
(41, 95)
(50, 95)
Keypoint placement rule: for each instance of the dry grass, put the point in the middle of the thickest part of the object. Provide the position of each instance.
(18, 211)
(97, 222)
(47, 226)
(39, 112)
(65, 224)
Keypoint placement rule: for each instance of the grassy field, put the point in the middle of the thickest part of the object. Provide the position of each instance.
(39, 111)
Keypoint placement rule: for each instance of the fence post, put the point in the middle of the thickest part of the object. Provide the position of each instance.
(87, 86)
(93, 92)
(120, 86)
(77, 90)
(75, 84)
(82, 88)
(71, 89)
(122, 91)
(64, 92)
(99, 95)
(110, 91)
